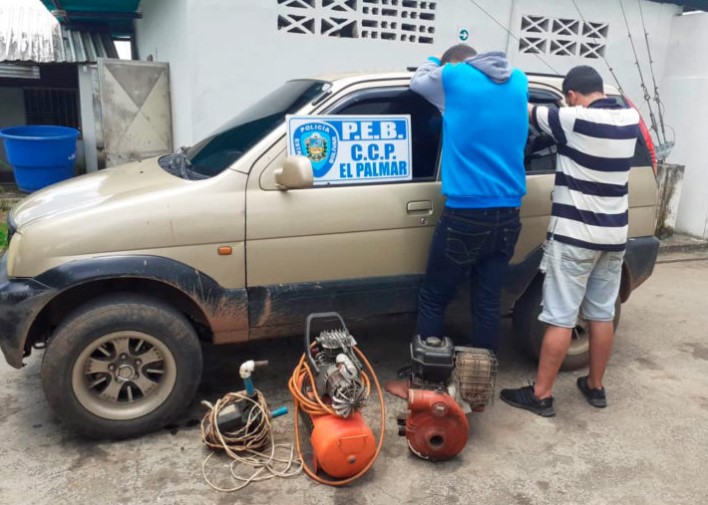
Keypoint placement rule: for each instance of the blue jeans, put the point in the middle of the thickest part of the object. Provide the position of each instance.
(478, 243)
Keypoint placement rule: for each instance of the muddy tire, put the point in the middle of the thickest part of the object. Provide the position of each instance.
(121, 366)
(528, 330)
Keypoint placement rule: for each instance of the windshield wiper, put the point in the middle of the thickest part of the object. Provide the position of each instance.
(178, 164)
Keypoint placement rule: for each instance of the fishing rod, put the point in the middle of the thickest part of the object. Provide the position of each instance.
(647, 97)
(659, 104)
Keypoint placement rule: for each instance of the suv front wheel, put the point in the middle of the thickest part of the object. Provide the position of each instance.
(121, 366)
(528, 330)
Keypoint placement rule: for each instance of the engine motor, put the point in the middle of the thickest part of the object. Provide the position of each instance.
(435, 426)
(338, 371)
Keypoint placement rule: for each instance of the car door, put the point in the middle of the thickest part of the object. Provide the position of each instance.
(540, 163)
(357, 249)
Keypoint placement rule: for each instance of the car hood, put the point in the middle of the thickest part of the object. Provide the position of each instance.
(113, 185)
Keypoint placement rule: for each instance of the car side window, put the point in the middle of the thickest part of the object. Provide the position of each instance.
(426, 122)
(541, 149)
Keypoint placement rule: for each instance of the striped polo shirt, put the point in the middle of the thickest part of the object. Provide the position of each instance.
(595, 150)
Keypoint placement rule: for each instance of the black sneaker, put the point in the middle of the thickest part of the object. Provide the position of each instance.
(523, 398)
(595, 397)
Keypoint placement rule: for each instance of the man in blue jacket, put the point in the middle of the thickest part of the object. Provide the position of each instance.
(485, 126)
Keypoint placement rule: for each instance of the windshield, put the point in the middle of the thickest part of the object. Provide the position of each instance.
(220, 150)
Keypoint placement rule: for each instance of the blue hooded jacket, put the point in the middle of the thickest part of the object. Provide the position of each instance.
(485, 126)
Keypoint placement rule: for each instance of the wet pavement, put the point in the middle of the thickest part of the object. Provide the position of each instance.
(647, 447)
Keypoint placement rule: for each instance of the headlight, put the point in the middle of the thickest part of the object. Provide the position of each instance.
(12, 253)
(11, 225)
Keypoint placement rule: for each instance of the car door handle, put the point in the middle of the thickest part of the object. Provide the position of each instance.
(420, 207)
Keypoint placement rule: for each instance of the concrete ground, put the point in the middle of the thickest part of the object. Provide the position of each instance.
(648, 447)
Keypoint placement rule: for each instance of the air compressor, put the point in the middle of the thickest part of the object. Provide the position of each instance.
(330, 387)
(435, 425)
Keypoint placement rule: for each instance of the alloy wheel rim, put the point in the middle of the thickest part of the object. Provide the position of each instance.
(124, 375)
(580, 340)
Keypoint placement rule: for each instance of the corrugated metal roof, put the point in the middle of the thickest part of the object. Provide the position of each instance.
(29, 33)
(13, 71)
(87, 47)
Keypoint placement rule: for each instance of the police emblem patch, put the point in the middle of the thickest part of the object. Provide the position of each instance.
(316, 147)
(319, 142)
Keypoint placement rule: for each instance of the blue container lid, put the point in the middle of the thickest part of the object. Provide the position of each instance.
(39, 132)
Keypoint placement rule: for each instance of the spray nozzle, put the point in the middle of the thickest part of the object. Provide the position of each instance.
(247, 368)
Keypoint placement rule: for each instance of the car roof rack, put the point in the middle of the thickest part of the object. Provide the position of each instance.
(543, 74)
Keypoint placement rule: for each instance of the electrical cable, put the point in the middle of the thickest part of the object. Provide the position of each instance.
(247, 446)
(490, 16)
(314, 406)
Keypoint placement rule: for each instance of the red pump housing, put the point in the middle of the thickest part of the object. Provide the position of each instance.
(436, 427)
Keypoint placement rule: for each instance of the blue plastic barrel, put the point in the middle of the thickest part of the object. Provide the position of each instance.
(40, 155)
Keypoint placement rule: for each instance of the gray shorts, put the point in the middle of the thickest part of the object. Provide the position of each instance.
(580, 282)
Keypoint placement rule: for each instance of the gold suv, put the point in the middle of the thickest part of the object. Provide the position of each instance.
(122, 273)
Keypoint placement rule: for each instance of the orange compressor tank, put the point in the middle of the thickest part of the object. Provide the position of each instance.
(342, 446)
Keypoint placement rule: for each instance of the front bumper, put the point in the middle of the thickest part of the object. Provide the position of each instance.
(639, 261)
(21, 300)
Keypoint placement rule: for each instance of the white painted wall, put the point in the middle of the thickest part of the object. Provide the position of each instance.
(684, 94)
(226, 53)
(657, 18)
(165, 34)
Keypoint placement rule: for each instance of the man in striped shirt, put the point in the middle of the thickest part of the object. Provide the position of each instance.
(587, 234)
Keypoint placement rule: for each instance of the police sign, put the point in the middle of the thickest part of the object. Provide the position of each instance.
(353, 149)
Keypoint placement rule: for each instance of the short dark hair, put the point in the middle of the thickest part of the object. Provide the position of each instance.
(584, 80)
(458, 53)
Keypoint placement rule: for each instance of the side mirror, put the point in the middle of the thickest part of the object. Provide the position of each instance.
(295, 174)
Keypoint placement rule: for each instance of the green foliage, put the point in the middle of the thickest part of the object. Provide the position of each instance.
(3, 236)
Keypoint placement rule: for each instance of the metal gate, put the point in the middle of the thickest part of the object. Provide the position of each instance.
(134, 120)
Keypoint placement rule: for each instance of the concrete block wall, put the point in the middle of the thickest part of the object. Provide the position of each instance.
(224, 54)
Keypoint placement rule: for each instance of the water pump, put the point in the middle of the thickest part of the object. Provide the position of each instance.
(435, 425)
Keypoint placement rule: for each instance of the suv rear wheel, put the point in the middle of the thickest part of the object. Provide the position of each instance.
(121, 366)
(528, 330)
